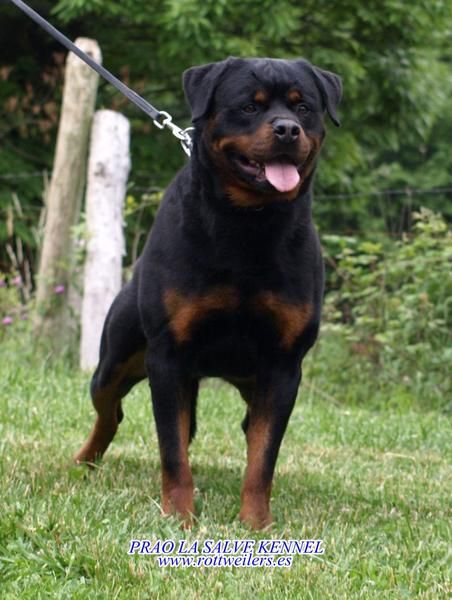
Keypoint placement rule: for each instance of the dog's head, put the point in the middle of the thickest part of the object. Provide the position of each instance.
(262, 123)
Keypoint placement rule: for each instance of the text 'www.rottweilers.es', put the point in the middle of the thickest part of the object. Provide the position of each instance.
(225, 553)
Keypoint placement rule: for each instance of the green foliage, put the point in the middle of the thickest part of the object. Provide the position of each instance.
(394, 60)
(139, 214)
(8, 297)
(391, 60)
(392, 302)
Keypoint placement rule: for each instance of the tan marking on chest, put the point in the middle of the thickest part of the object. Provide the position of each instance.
(185, 312)
(290, 319)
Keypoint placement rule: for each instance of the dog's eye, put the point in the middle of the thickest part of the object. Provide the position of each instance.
(303, 109)
(249, 108)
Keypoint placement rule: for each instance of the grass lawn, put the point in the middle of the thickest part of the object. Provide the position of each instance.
(373, 484)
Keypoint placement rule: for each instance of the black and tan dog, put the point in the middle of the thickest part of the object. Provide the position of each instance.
(230, 282)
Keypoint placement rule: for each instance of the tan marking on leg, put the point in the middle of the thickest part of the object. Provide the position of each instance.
(255, 495)
(177, 494)
(107, 403)
(290, 319)
(185, 312)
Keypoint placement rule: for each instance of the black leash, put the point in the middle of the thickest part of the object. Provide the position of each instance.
(160, 118)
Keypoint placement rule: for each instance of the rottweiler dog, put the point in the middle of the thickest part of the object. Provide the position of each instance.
(230, 281)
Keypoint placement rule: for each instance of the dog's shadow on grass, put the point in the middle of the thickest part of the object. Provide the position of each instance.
(217, 489)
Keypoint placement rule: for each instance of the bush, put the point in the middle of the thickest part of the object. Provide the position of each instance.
(392, 302)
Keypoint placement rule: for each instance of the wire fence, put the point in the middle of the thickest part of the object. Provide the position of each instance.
(149, 199)
(18, 176)
(406, 191)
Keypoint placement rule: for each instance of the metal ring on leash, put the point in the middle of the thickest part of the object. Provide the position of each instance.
(181, 134)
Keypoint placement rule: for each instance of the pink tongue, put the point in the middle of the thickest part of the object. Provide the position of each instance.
(283, 176)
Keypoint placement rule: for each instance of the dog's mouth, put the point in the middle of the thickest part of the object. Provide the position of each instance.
(281, 172)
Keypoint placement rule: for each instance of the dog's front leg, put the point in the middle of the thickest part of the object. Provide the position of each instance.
(173, 398)
(269, 409)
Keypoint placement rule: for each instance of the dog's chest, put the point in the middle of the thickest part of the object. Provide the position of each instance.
(232, 311)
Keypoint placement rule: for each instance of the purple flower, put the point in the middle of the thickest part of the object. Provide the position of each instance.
(7, 320)
(17, 280)
(59, 289)
(2, 283)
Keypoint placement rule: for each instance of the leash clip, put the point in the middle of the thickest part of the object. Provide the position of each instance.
(182, 135)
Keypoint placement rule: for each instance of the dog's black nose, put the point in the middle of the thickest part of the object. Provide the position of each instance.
(286, 130)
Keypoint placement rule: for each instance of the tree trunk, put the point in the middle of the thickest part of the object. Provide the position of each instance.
(52, 319)
(108, 169)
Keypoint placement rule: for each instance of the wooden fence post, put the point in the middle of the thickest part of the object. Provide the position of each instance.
(108, 169)
(52, 319)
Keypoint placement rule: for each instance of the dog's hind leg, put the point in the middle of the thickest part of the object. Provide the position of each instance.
(247, 389)
(193, 402)
(121, 366)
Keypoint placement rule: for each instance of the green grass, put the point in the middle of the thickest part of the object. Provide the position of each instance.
(374, 484)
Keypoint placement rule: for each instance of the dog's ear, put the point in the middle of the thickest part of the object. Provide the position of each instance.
(330, 86)
(200, 84)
